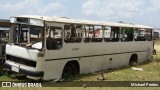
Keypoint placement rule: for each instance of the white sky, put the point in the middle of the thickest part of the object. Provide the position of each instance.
(145, 12)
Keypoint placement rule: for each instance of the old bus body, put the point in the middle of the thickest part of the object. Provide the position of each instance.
(49, 47)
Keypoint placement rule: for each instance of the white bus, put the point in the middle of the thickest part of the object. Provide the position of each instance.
(51, 48)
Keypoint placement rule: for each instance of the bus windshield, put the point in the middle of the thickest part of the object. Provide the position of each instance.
(27, 36)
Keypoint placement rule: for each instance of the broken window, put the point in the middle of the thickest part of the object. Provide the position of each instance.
(127, 34)
(27, 35)
(92, 33)
(73, 33)
(106, 36)
(149, 34)
(140, 35)
(113, 34)
(54, 38)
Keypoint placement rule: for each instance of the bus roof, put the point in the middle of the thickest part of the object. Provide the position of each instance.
(78, 21)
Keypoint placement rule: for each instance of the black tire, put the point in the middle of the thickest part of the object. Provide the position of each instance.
(133, 60)
(133, 63)
(74, 69)
(69, 70)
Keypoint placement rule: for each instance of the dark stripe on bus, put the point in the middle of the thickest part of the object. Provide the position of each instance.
(93, 55)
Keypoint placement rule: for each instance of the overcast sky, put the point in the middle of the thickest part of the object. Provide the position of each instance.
(145, 12)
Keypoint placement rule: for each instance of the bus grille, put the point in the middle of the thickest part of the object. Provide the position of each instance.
(21, 60)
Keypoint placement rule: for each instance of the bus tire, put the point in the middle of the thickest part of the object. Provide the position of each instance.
(133, 63)
(70, 69)
(133, 60)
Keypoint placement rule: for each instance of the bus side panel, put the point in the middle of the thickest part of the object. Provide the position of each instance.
(92, 64)
(142, 57)
(53, 69)
(92, 58)
(98, 63)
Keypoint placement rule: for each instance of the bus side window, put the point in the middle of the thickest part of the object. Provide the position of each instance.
(92, 33)
(136, 34)
(79, 32)
(114, 35)
(140, 35)
(97, 34)
(107, 34)
(149, 34)
(86, 34)
(73, 33)
(127, 34)
(54, 38)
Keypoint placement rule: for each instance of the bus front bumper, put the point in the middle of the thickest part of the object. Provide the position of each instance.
(26, 72)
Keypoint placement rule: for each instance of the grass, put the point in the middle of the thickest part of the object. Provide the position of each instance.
(151, 72)
(157, 42)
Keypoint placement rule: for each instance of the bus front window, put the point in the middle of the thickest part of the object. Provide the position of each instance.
(27, 36)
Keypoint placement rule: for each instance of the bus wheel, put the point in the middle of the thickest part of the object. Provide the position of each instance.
(133, 60)
(133, 63)
(69, 70)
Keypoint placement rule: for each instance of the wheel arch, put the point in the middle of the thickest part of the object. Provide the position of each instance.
(75, 62)
(133, 58)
